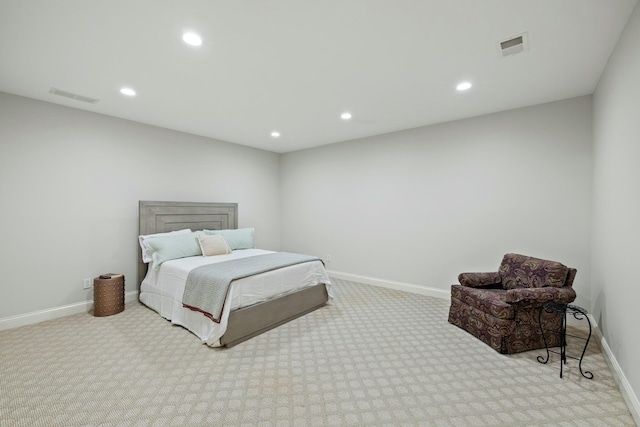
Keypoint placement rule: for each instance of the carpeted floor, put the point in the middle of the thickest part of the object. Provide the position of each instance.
(374, 357)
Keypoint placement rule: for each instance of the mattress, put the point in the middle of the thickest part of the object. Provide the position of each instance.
(162, 290)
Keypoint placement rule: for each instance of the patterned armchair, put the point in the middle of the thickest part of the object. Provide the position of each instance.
(501, 308)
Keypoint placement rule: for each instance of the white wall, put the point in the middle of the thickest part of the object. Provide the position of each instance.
(422, 205)
(70, 182)
(616, 208)
(417, 206)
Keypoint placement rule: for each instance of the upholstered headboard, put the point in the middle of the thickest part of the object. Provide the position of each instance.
(160, 217)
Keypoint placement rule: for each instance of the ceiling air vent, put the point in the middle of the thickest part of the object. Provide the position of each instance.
(514, 45)
(75, 96)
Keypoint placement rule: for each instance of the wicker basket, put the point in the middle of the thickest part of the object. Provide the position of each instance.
(108, 294)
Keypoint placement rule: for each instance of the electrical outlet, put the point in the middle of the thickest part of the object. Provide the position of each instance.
(87, 283)
(328, 257)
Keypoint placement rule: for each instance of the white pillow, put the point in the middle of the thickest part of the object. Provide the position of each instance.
(213, 245)
(146, 251)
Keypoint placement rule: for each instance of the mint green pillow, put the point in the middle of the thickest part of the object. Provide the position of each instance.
(172, 247)
(242, 238)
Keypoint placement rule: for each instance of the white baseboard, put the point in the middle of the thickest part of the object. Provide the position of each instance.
(619, 377)
(54, 313)
(398, 286)
(626, 390)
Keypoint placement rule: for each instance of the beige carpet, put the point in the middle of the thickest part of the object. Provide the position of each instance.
(375, 357)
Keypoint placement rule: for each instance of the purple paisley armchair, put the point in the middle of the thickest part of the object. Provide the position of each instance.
(501, 308)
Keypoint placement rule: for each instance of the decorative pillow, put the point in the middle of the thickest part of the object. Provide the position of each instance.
(146, 253)
(242, 238)
(172, 247)
(214, 244)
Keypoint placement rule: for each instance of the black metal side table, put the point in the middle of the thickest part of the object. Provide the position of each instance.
(578, 313)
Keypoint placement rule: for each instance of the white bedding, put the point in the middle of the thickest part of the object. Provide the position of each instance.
(162, 290)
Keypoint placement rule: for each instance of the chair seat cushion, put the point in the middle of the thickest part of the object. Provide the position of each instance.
(491, 301)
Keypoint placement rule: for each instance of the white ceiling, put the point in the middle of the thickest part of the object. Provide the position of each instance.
(296, 65)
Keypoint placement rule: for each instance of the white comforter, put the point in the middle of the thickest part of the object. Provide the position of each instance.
(162, 290)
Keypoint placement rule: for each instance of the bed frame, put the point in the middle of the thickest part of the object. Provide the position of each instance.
(244, 323)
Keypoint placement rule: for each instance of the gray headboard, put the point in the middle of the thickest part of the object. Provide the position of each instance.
(160, 217)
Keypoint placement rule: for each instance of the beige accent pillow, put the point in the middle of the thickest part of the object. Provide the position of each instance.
(213, 245)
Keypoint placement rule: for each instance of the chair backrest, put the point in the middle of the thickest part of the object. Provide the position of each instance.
(521, 271)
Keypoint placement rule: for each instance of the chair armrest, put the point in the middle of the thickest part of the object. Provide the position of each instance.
(539, 296)
(479, 280)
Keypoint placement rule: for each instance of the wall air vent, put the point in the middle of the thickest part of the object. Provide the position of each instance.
(514, 45)
(70, 95)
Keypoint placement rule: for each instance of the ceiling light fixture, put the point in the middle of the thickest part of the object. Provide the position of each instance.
(275, 134)
(192, 39)
(128, 91)
(345, 116)
(463, 86)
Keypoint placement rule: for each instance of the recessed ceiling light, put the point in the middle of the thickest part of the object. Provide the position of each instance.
(345, 116)
(275, 134)
(192, 39)
(128, 91)
(463, 86)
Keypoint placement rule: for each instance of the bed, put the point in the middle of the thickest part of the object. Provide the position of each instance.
(254, 304)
